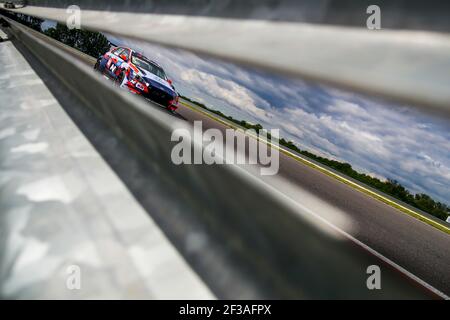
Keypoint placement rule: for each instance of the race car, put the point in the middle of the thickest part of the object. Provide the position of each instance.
(140, 75)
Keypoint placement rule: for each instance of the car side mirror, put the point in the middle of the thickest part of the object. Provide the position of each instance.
(123, 57)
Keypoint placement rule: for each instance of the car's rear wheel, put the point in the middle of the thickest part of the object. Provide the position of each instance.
(97, 65)
(120, 78)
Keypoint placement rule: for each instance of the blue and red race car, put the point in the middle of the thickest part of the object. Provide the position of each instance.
(132, 70)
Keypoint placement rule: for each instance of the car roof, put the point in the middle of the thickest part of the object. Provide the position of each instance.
(155, 63)
(126, 48)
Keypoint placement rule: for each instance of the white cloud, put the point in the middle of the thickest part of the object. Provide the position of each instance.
(234, 94)
(346, 108)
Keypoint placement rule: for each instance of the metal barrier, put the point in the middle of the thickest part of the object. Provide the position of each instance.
(268, 241)
(306, 39)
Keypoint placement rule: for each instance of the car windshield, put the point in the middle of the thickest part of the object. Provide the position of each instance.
(148, 66)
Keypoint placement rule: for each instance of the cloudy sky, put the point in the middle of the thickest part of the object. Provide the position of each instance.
(378, 138)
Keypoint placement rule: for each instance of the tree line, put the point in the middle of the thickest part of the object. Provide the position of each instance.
(89, 42)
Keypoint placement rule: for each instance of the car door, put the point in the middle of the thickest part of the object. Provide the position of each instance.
(114, 62)
(122, 60)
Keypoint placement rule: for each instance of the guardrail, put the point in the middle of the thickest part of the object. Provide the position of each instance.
(270, 242)
(408, 66)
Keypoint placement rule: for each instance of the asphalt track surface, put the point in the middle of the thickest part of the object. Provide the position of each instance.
(414, 245)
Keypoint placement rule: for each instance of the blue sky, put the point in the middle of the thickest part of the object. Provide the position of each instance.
(47, 24)
(379, 138)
